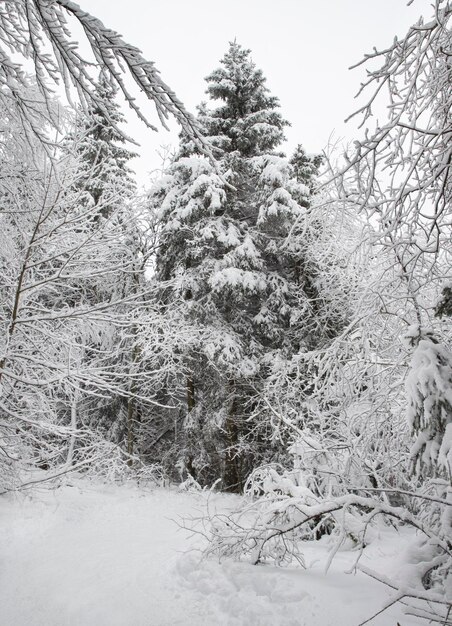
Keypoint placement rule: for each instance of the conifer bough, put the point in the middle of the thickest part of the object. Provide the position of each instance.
(38, 30)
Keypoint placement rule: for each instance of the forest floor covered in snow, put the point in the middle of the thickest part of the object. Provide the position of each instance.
(90, 554)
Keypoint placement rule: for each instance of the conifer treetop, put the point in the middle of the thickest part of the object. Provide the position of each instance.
(99, 144)
(248, 122)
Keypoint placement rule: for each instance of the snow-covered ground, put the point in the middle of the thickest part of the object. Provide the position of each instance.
(88, 554)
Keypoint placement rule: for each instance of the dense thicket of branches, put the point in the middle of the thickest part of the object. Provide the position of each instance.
(75, 304)
(241, 325)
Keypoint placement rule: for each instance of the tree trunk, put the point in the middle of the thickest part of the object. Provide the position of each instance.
(190, 394)
(130, 433)
(190, 406)
(70, 454)
(131, 398)
(232, 479)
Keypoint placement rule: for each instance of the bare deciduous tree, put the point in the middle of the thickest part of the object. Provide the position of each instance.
(402, 169)
(39, 32)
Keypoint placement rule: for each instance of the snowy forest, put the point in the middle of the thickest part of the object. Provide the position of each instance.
(255, 348)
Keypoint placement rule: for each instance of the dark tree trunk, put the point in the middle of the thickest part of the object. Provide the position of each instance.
(190, 394)
(232, 480)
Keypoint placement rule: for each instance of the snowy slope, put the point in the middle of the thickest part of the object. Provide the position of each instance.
(94, 555)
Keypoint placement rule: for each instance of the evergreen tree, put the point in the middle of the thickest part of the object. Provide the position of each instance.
(224, 247)
(444, 306)
(248, 122)
(429, 393)
(306, 167)
(104, 174)
(106, 188)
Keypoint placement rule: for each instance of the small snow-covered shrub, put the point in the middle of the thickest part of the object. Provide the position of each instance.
(282, 509)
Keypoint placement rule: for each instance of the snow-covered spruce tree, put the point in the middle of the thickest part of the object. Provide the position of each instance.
(104, 182)
(104, 173)
(444, 306)
(107, 189)
(409, 236)
(223, 251)
(408, 242)
(429, 392)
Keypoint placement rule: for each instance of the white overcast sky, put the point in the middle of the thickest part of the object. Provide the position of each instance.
(304, 48)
